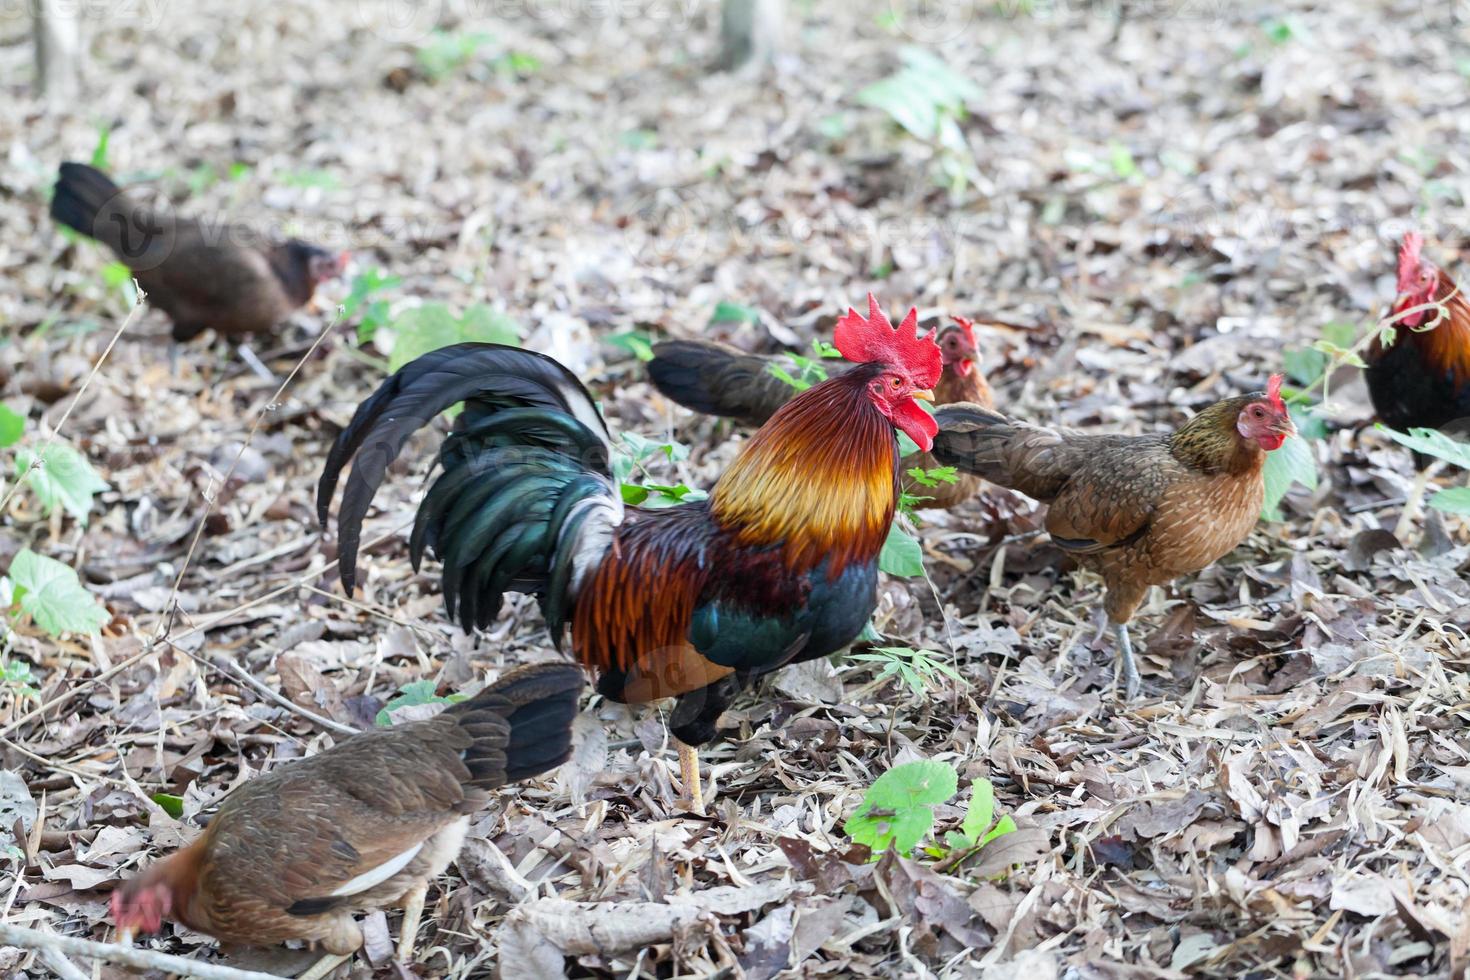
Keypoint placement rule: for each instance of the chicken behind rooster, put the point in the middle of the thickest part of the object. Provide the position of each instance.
(716, 379)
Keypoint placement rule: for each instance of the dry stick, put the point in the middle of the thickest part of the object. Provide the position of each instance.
(40, 454)
(171, 606)
(64, 967)
(50, 943)
(199, 628)
(230, 669)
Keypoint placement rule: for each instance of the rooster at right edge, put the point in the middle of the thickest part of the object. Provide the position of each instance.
(1422, 379)
(1139, 510)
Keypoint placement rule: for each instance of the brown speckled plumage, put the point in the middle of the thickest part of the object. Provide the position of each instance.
(1140, 510)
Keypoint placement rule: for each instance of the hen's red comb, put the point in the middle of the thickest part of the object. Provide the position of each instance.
(1273, 391)
(968, 326)
(1409, 261)
(863, 340)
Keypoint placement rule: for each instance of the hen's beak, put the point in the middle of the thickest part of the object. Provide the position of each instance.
(1284, 425)
(923, 395)
(125, 936)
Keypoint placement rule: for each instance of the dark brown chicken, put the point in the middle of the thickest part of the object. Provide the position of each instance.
(1140, 510)
(716, 379)
(203, 276)
(293, 854)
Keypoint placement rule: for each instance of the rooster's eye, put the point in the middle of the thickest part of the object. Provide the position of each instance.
(897, 384)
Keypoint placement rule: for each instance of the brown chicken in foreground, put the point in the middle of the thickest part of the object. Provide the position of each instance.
(202, 276)
(1139, 510)
(293, 854)
(716, 379)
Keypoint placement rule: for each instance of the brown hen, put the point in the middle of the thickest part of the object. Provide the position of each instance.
(1139, 510)
(295, 853)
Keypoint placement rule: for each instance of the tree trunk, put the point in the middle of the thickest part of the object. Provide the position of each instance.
(750, 32)
(58, 38)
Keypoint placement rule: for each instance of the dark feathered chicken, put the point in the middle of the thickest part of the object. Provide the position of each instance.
(716, 379)
(214, 276)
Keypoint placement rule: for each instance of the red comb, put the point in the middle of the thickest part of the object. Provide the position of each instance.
(1273, 391)
(1409, 261)
(968, 326)
(863, 340)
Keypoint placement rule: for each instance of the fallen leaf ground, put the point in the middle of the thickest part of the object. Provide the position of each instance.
(1168, 199)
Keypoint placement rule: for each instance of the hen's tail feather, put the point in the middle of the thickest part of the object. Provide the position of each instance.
(715, 379)
(972, 439)
(82, 194)
(521, 725)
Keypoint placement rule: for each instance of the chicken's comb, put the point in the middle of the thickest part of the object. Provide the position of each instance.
(874, 338)
(968, 326)
(1273, 391)
(1409, 261)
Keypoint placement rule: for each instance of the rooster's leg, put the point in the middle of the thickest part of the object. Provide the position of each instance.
(1131, 681)
(413, 911)
(689, 776)
(1415, 499)
(324, 966)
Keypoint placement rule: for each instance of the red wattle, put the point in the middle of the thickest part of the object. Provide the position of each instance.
(915, 423)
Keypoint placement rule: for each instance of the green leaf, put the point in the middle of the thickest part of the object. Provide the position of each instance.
(99, 150)
(63, 478)
(1292, 463)
(981, 812)
(727, 312)
(780, 372)
(1456, 500)
(1340, 333)
(52, 595)
(640, 345)
(12, 426)
(1432, 442)
(431, 326)
(1121, 159)
(172, 805)
(898, 809)
(1304, 366)
(410, 695)
(901, 554)
(1003, 826)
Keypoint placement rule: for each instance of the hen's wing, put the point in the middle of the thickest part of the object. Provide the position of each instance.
(716, 379)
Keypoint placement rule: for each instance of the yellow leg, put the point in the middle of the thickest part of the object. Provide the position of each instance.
(324, 966)
(413, 911)
(689, 775)
(1412, 504)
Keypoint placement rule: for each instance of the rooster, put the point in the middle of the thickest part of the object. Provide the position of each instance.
(716, 379)
(1140, 510)
(293, 854)
(201, 275)
(1422, 379)
(778, 565)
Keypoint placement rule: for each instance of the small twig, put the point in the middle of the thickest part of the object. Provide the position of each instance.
(48, 944)
(64, 967)
(227, 667)
(203, 627)
(40, 454)
(210, 498)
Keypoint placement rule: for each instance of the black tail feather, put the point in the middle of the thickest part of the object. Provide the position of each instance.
(521, 724)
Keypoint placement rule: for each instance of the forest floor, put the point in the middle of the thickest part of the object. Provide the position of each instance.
(1162, 205)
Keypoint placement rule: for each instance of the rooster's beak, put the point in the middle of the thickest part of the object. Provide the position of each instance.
(923, 395)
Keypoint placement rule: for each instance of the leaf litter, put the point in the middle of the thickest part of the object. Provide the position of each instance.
(1162, 204)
